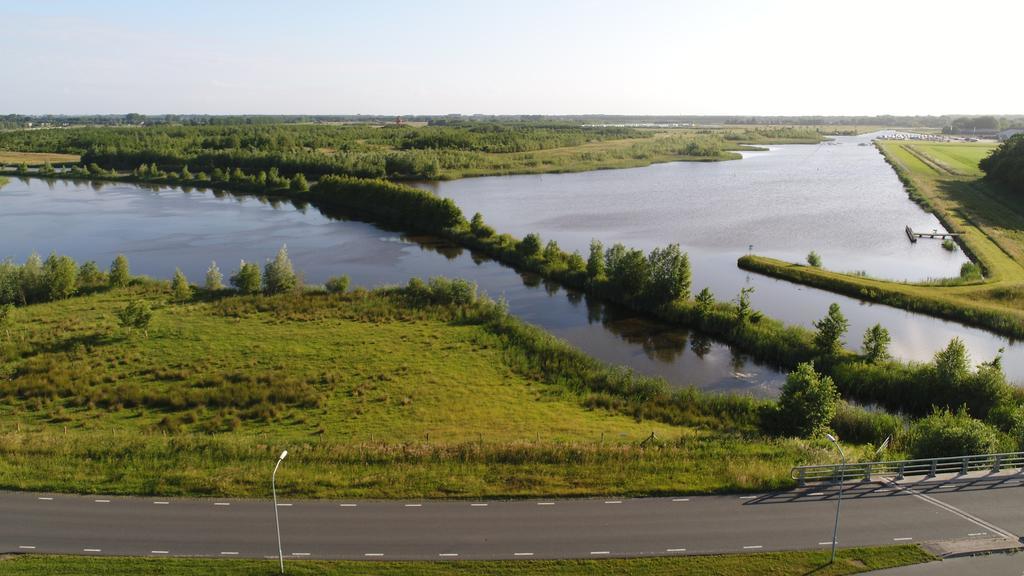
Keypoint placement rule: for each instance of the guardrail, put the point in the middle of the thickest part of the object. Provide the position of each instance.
(900, 469)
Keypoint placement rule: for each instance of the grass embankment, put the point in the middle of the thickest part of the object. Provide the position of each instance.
(852, 561)
(36, 158)
(375, 395)
(944, 179)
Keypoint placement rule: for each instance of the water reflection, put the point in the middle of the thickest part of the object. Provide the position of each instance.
(161, 229)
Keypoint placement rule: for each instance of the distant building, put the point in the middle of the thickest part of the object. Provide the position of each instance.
(1009, 133)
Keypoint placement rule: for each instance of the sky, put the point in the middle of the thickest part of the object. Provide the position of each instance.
(829, 57)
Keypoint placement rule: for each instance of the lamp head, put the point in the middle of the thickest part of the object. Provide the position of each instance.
(283, 454)
(829, 436)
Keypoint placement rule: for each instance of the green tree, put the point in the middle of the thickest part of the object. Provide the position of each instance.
(60, 274)
(814, 259)
(552, 253)
(876, 344)
(90, 275)
(46, 169)
(22, 168)
(529, 246)
(744, 311)
(595, 262)
(808, 402)
(185, 173)
(31, 282)
(136, 315)
(828, 339)
(576, 263)
(705, 302)
(953, 363)
(669, 274)
(180, 288)
(337, 284)
(299, 183)
(214, 279)
(120, 273)
(278, 275)
(479, 228)
(247, 279)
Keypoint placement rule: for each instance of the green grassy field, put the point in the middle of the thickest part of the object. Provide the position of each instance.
(852, 561)
(35, 158)
(945, 179)
(373, 397)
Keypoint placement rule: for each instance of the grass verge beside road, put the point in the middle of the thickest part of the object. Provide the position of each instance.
(850, 561)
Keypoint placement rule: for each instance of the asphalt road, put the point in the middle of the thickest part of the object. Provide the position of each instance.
(872, 514)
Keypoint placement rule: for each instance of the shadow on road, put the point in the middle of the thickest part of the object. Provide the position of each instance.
(882, 489)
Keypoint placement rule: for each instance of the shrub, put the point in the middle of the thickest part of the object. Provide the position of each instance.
(814, 259)
(808, 402)
(60, 274)
(247, 279)
(214, 278)
(136, 315)
(945, 433)
(90, 275)
(876, 344)
(180, 288)
(120, 273)
(278, 275)
(828, 339)
(479, 228)
(337, 284)
(529, 246)
(970, 271)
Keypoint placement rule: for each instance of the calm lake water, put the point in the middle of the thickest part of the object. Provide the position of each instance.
(163, 228)
(838, 198)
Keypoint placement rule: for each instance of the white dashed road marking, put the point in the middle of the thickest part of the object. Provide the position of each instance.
(45, 498)
(680, 499)
(523, 554)
(161, 502)
(675, 550)
(91, 550)
(613, 501)
(545, 503)
(347, 505)
(901, 539)
(222, 503)
(300, 553)
(600, 553)
(27, 547)
(159, 552)
(373, 555)
(284, 505)
(752, 547)
(102, 501)
(229, 553)
(479, 505)
(448, 555)
(414, 505)
(816, 494)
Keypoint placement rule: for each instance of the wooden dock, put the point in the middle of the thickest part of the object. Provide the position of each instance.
(933, 234)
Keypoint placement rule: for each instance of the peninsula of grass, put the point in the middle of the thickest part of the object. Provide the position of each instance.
(374, 393)
(849, 561)
(36, 158)
(944, 178)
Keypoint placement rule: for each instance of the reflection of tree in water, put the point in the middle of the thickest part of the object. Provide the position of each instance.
(530, 280)
(659, 341)
(551, 287)
(737, 359)
(700, 344)
(574, 296)
(433, 244)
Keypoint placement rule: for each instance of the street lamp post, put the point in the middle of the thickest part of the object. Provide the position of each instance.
(839, 501)
(273, 488)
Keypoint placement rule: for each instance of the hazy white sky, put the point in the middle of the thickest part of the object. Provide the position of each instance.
(533, 57)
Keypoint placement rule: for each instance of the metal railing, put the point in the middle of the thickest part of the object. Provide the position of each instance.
(900, 469)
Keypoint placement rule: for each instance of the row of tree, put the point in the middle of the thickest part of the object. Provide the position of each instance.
(1005, 164)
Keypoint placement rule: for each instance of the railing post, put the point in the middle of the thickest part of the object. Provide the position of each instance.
(963, 465)
(867, 472)
(803, 474)
(931, 473)
(899, 474)
(998, 464)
